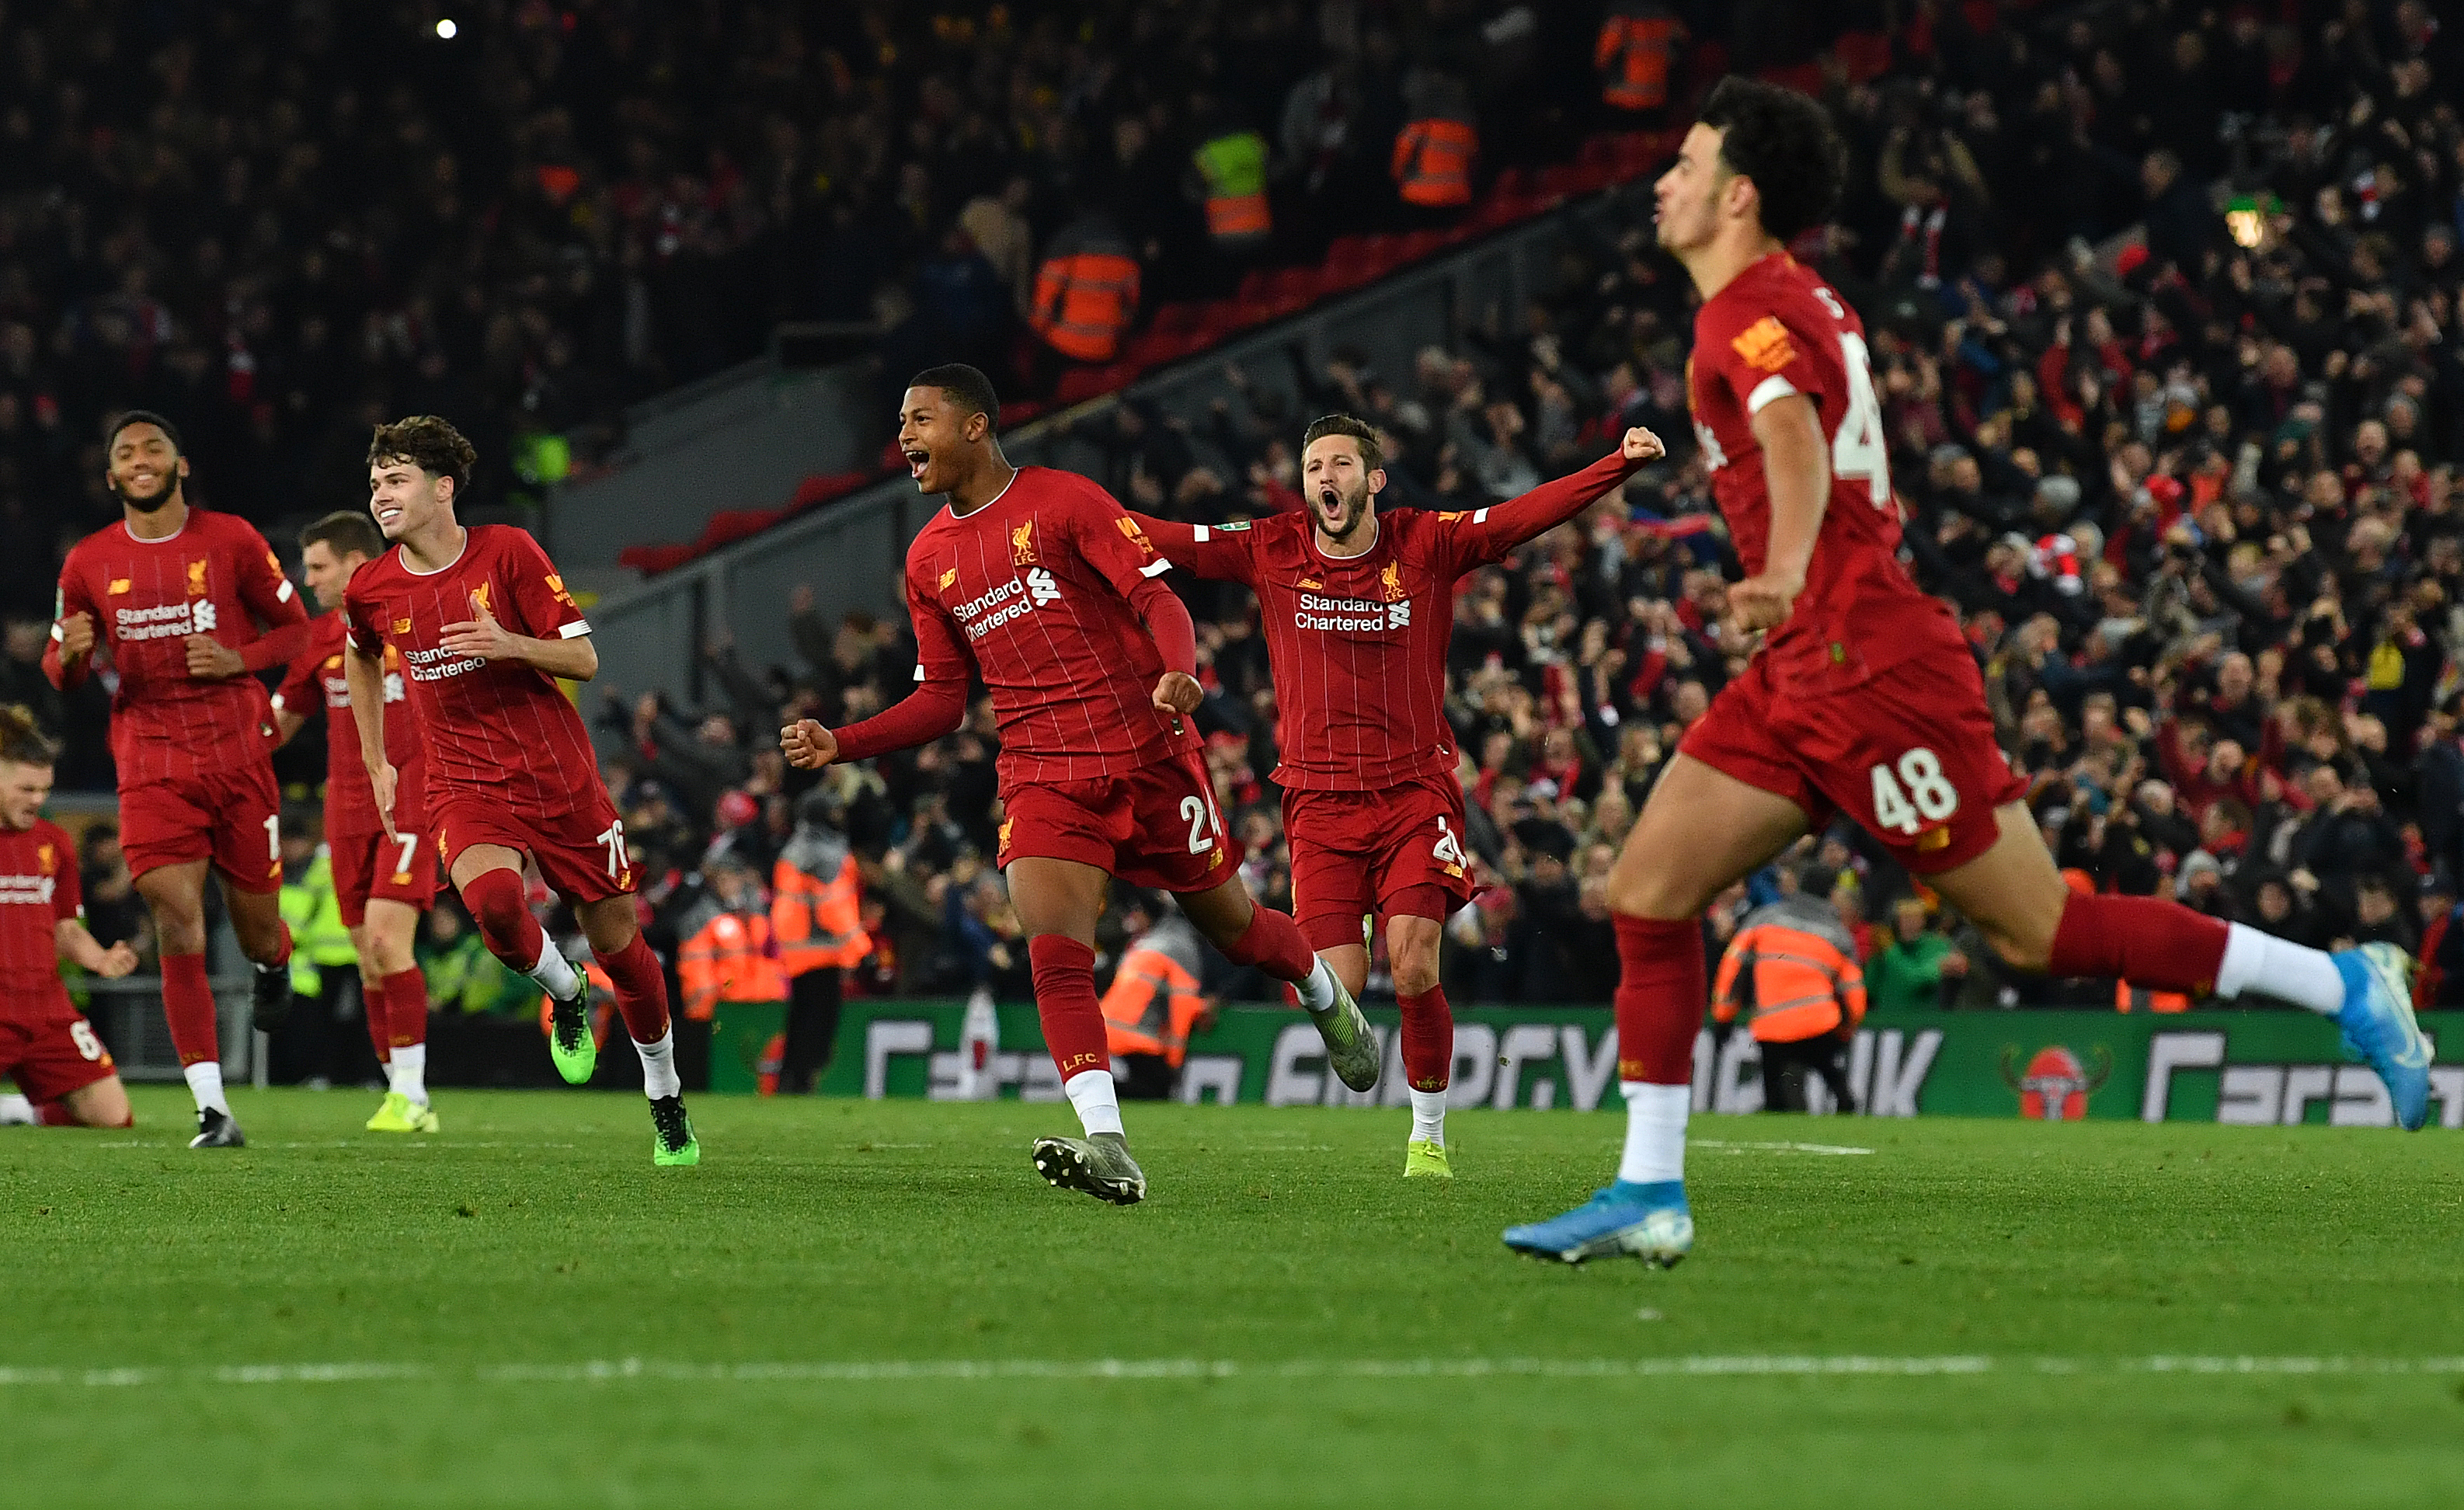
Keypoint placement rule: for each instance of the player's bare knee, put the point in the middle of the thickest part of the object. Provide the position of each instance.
(1416, 976)
(1653, 894)
(610, 931)
(2027, 950)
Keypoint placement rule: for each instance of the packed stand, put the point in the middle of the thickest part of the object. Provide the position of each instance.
(2195, 503)
(281, 223)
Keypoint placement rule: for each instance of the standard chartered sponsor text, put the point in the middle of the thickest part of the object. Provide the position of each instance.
(982, 615)
(435, 666)
(1357, 615)
(164, 621)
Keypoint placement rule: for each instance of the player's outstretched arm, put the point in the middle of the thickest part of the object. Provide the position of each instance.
(1212, 551)
(1493, 532)
(1796, 467)
(366, 672)
(932, 710)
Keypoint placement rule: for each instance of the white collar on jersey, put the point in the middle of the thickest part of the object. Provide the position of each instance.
(989, 502)
(1376, 525)
(448, 566)
(157, 540)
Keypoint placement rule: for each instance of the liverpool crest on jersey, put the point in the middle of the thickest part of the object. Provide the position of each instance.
(1022, 544)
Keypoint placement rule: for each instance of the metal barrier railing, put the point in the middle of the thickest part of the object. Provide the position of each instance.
(127, 1016)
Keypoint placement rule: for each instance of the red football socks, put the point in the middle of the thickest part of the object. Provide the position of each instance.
(405, 1008)
(506, 926)
(1662, 990)
(1428, 1040)
(1273, 943)
(189, 1006)
(378, 1011)
(2146, 941)
(1064, 1003)
(641, 990)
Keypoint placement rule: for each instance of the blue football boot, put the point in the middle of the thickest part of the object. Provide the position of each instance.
(2379, 1027)
(1649, 1222)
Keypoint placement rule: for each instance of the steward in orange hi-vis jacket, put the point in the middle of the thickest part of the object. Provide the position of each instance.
(817, 913)
(1793, 971)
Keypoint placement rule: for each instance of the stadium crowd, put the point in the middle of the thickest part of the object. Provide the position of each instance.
(2197, 505)
(292, 220)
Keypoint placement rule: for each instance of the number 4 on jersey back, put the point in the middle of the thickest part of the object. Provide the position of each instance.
(1857, 448)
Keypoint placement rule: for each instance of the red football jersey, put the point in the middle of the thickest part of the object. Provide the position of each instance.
(215, 577)
(38, 890)
(350, 802)
(1033, 589)
(499, 731)
(1357, 645)
(1775, 330)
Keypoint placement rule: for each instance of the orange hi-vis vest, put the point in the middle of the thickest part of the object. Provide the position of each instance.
(2127, 998)
(730, 958)
(1155, 998)
(819, 924)
(1633, 57)
(1793, 970)
(1432, 161)
(1084, 302)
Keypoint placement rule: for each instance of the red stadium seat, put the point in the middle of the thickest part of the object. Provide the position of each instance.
(814, 491)
(653, 559)
(1864, 55)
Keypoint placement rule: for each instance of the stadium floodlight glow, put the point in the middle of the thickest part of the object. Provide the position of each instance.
(446, 28)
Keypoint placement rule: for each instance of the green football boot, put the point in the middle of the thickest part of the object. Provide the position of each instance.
(1098, 1164)
(570, 1041)
(401, 1114)
(673, 1142)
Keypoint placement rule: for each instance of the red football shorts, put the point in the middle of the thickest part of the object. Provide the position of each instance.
(49, 1050)
(1358, 853)
(1908, 752)
(1154, 826)
(230, 817)
(372, 868)
(581, 853)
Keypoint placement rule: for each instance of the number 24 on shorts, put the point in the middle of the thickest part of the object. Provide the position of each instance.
(1917, 796)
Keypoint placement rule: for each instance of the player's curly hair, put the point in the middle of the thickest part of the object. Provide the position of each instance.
(430, 444)
(1783, 140)
(22, 740)
(1363, 434)
(112, 427)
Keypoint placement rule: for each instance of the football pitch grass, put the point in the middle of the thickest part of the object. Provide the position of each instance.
(855, 1302)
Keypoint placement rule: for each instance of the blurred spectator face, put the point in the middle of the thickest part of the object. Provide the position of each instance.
(2156, 798)
(1908, 920)
(2371, 444)
(24, 639)
(2275, 902)
(2325, 786)
(1691, 702)
(2233, 678)
(2373, 902)
(2224, 761)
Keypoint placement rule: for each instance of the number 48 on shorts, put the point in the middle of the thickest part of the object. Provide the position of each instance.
(1913, 795)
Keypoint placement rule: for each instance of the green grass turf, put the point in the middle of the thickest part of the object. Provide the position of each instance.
(1279, 1267)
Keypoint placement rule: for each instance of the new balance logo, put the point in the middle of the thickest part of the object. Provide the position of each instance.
(1041, 586)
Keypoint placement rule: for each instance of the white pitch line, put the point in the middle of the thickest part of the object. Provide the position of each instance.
(886, 1371)
(1832, 1149)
